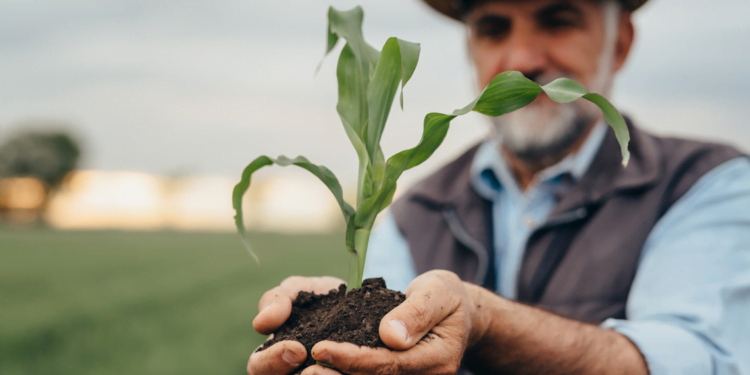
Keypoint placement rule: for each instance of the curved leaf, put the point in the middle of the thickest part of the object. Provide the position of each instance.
(397, 62)
(615, 120)
(323, 173)
(332, 38)
(354, 71)
(409, 59)
(506, 93)
(348, 25)
(564, 90)
(378, 169)
(350, 107)
(381, 92)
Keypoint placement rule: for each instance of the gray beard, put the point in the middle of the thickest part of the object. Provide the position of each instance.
(540, 156)
(542, 134)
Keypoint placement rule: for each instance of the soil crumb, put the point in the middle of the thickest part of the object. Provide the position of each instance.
(338, 316)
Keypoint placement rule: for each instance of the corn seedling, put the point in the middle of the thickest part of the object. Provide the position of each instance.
(368, 80)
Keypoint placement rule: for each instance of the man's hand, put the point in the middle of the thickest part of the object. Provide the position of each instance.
(436, 302)
(460, 321)
(490, 333)
(273, 310)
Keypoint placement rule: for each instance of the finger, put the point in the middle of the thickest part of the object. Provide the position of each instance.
(317, 285)
(291, 286)
(275, 306)
(352, 359)
(280, 359)
(319, 370)
(434, 357)
(274, 309)
(430, 299)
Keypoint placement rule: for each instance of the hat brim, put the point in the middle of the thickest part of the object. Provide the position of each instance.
(449, 7)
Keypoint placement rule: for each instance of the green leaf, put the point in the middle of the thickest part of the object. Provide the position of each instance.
(347, 24)
(381, 92)
(373, 57)
(352, 104)
(615, 120)
(323, 173)
(388, 198)
(349, 108)
(378, 169)
(333, 38)
(564, 90)
(506, 93)
(409, 59)
(397, 62)
(355, 67)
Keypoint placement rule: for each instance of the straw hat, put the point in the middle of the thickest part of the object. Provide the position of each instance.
(453, 8)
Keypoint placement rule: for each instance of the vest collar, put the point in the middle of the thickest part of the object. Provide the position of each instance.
(604, 178)
(490, 172)
(607, 177)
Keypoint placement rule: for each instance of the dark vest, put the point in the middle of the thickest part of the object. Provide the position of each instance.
(582, 261)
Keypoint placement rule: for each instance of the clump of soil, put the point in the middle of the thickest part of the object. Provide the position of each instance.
(338, 316)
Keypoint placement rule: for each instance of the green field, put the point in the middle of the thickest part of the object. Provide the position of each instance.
(142, 303)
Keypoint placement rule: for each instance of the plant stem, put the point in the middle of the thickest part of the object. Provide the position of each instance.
(361, 241)
(353, 281)
(357, 261)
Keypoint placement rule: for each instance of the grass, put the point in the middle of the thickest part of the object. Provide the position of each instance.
(142, 303)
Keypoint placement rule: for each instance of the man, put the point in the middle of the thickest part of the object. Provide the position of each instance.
(597, 268)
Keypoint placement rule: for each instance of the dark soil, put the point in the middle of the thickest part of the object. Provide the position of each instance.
(338, 316)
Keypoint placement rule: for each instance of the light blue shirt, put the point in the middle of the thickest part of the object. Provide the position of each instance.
(689, 306)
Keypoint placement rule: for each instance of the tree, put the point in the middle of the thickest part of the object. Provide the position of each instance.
(47, 156)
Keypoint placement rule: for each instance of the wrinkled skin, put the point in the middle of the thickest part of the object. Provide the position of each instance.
(461, 321)
(436, 302)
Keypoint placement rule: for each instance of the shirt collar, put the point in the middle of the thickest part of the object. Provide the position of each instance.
(489, 171)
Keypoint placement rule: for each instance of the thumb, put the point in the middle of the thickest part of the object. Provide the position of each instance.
(427, 304)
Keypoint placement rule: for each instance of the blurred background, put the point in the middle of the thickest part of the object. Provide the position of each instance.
(125, 124)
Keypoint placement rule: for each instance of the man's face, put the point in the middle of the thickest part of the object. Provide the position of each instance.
(545, 40)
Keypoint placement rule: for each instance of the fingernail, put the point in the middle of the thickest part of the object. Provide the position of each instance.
(290, 357)
(400, 329)
(324, 357)
(266, 307)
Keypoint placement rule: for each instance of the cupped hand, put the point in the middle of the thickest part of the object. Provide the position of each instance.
(274, 309)
(438, 305)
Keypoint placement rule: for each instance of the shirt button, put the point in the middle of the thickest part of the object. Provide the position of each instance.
(529, 220)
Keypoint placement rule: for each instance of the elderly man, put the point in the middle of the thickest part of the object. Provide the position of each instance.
(554, 259)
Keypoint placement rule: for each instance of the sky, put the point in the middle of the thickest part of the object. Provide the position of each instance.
(198, 86)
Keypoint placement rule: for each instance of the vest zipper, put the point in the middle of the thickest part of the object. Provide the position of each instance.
(471, 243)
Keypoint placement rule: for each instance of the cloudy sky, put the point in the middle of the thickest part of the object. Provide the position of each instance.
(198, 86)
